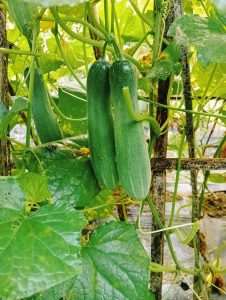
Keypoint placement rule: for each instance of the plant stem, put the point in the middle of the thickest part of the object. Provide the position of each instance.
(84, 45)
(161, 226)
(18, 52)
(90, 41)
(61, 115)
(94, 20)
(67, 62)
(118, 30)
(106, 18)
(171, 220)
(31, 84)
(139, 13)
(190, 111)
(202, 101)
(112, 15)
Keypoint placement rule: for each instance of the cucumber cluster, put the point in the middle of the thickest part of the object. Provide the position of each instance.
(119, 152)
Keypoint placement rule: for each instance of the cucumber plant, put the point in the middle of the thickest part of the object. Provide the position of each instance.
(83, 262)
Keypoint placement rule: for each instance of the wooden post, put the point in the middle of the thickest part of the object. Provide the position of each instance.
(159, 179)
(5, 163)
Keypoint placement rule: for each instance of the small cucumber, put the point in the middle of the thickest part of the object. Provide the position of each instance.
(45, 121)
(132, 157)
(100, 125)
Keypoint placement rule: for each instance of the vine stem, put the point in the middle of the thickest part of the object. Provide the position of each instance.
(202, 101)
(112, 15)
(31, 84)
(18, 52)
(139, 13)
(84, 44)
(190, 111)
(94, 20)
(106, 18)
(161, 226)
(66, 60)
(171, 220)
(89, 41)
(62, 116)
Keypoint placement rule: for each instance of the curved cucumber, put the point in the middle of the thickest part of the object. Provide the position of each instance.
(132, 157)
(45, 120)
(100, 125)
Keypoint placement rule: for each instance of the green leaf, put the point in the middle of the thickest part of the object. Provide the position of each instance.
(38, 251)
(168, 63)
(50, 62)
(217, 178)
(71, 179)
(63, 290)
(73, 104)
(20, 104)
(115, 265)
(49, 3)
(206, 34)
(144, 84)
(23, 14)
(35, 187)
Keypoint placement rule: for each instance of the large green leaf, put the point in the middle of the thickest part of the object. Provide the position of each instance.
(39, 250)
(115, 265)
(73, 104)
(49, 3)
(206, 34)
(71, 178)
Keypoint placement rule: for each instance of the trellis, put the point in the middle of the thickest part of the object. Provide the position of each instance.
(160, 164)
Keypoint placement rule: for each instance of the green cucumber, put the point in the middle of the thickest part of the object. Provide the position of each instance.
(100, 125)
(132, 157)
(45, 120)
(23, 14)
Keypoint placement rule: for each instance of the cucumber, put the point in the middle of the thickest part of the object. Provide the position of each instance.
(132, 157)
(100, 125)
(45, 121)
(23, 14)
